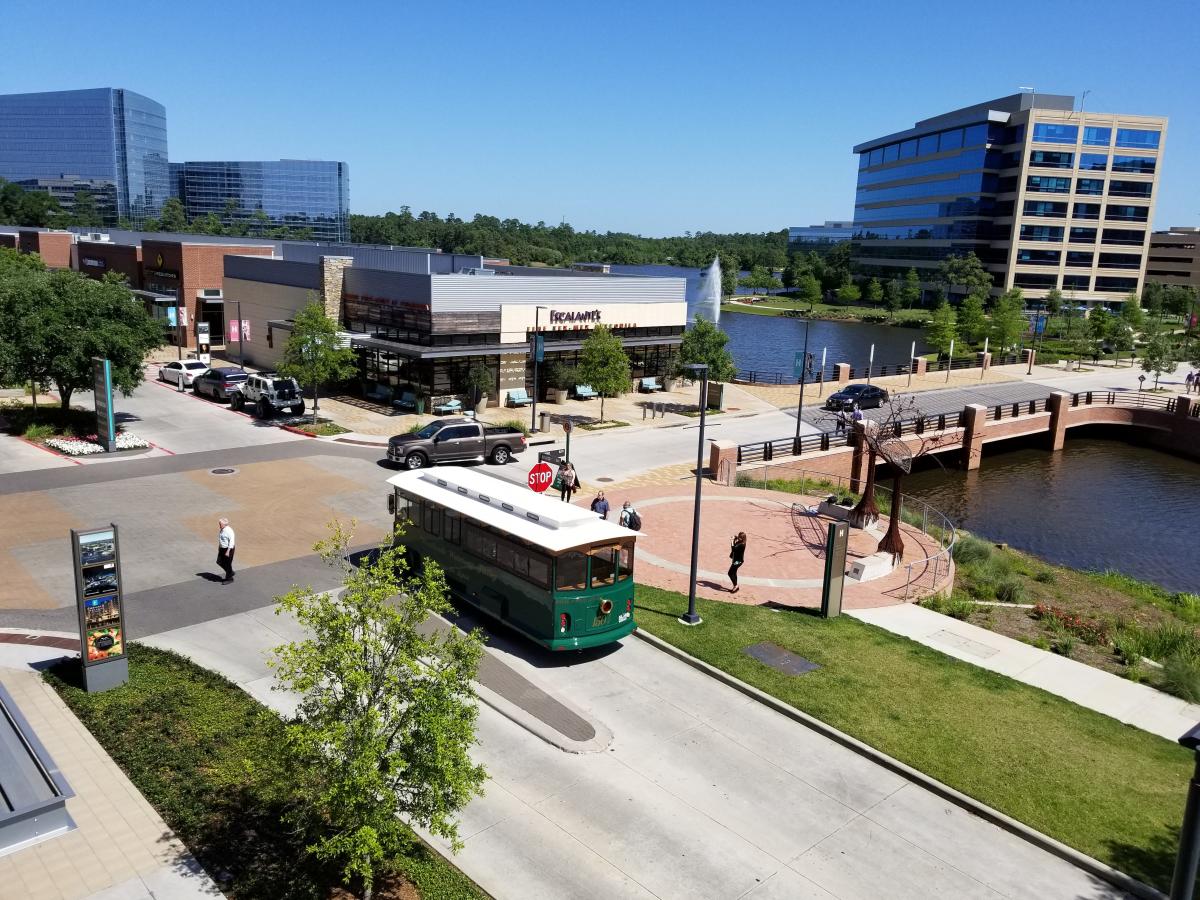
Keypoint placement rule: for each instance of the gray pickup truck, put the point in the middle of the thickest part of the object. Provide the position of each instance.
(456, 440)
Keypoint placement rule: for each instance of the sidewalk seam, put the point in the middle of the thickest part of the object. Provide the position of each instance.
(970, 804)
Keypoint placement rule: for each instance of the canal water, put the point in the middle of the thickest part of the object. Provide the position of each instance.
(1098, 504)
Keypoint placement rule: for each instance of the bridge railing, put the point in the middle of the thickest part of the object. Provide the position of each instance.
(1015, 410)
(1132, 399)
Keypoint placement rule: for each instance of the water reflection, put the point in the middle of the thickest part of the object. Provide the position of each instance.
(1098, 504)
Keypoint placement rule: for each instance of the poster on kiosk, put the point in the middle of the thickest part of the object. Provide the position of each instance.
(99, 598)
(203, 343)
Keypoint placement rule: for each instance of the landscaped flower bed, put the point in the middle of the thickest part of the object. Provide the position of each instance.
(88, 446)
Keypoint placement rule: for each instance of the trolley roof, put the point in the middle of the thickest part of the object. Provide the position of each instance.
(550, 524)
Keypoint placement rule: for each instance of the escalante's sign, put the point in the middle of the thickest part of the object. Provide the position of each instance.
(558, 316)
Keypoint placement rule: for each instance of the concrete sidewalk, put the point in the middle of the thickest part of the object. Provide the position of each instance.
(1135, 704)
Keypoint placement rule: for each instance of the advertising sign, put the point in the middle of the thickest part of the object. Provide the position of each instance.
(835, 569)
(106, 429)
(234, 332)
(203, 333)
(98, 594)
(541, 477)
(537, 348)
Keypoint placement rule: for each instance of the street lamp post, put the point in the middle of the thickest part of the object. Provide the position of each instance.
(803, 373)
(537, 330)
(690, 617)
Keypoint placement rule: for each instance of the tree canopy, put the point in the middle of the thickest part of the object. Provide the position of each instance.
(966, 272)
(314, 354)
(972, 322)
(604, 364)
(942, 328)
(1008, 320)
(704, 343)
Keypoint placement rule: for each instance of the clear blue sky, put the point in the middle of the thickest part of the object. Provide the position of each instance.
(655, 118)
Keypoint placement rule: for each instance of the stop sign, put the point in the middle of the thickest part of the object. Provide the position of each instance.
(541, 477)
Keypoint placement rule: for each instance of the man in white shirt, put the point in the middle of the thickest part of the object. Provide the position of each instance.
(225, 548)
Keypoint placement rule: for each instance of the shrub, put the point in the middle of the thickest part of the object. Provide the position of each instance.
(517, 424)
(1064, 644)
(970, 550)
(957, 606)
(39, 432)
(1046, 576)
(1181, 674)
(1186, 605)
(1010, 590)
(1167, 639)
(1062, 623)
(1127, 645)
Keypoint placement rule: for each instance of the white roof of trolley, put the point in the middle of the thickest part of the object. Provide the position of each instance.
(536, 518)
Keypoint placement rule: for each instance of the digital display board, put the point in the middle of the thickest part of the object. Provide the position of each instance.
(99, 597)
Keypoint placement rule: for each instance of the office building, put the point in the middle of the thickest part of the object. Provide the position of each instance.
(1174, 258)
(420, 320)
(1045, 195)
(108, 141)
(309, 197)
(818, 238)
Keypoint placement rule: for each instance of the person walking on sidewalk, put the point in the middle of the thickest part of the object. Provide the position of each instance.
(841, 422)
(226, 543)
(1189, 381)
(600, 505)
(629, 517)
(568, 482)
(737, 556)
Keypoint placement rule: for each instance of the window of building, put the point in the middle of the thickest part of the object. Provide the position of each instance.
(1034, 280)
(1137, 138)
(1126, 213)
(1176, 273)
(891, 153)
(876, 156)
(570, 572)
(1007, 184)
(974, 135)
(1043, 184)
(1114, 284)
(1050, 233)
(1095, 136)
(1141, 165)
(1139, 189)
(1077, 282)
(1079, 259)
(1038, 257)
(1047, 133)
(1047, 208)
(1093, 162)
(950, 140)
(1120, 261)
(1093, 186)
(927, 144)
(1082, 236)
(1123, 236)
(908, 149)
(1051, 159)
(1087, 211)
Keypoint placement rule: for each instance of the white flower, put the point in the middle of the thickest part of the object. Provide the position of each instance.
(80, 447)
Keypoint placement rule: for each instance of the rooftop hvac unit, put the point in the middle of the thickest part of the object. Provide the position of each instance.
(476, 272)
(97, 236)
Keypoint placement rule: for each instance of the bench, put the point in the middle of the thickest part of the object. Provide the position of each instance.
(648, 385)
(379, 393)
(585, 392)
(518, 397)
(446, 407)
(408, 400)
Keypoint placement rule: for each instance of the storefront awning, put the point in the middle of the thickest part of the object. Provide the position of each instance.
(155, 297)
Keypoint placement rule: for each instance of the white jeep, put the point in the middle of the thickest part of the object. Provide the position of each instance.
(267, 393)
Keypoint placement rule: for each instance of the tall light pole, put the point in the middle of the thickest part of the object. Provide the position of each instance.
(803, 372)
(690, 617)
(537, 333)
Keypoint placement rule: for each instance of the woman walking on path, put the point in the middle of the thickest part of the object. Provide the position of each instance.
(568, 482)
(737, 556)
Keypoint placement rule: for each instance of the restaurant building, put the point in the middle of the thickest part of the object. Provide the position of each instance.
(419, 320)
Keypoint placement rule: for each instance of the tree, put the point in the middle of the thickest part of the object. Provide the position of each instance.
(705, 343)
(873, 292)
(848, 292)
(808, 289)
(911, 291)
(1054, 302)
(1152, 300)
(730, 266)
(1008, 320)
(314, 354)
(942, 328)
(28, 208)
(760, 279)
(1178, 300)
(1131, 313)
(965, 271)
(1101, 325)
(85, 212)
(387, 712)
(479, 382)
(796, 268)
(173, 218)
(604, 364)
(892, 298)
(1158, 357)
(972, 323)
(837, 263)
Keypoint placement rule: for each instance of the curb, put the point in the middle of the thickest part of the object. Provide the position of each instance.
(295, 430)
(970, 804)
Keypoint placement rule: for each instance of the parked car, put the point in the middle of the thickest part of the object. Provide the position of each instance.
(867, 396)
(220, 384)
(185, 370)
(456, 440)
(266, 393)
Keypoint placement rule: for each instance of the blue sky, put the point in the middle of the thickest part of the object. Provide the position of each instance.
(656, 118)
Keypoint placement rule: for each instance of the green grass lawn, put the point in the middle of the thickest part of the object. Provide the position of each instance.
(324, 428)
(208, 757)
(1110, 790)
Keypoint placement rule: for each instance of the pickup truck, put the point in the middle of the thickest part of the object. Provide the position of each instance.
(456, 440)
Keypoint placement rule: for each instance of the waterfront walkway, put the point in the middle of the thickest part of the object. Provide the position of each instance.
(1135, 704)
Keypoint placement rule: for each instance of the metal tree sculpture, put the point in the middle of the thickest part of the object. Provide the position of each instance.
(866, 512)
(897, 454)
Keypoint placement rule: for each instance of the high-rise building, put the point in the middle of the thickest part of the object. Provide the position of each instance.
(108, 141)
(818, 238)
(1045, 195)
(1174, 257)
(310, 197)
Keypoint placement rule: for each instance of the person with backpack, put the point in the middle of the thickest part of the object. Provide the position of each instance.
(630, 518)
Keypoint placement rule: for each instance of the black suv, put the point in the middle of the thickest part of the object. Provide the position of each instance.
(865, 396)
(220, 384)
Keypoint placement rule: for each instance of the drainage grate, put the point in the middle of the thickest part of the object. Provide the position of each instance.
(222, 471)
(777, 658)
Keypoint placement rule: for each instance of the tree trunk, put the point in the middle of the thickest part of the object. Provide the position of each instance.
(33, 392)
(892, 541)
(314, 404)
(601, 407)
(866, 512)
(64, 395)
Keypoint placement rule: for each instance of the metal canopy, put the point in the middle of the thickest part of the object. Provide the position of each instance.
(33, 792)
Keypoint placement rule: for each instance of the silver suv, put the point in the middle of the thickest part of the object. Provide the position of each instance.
(267, 393)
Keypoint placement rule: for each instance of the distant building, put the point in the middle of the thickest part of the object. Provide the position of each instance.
(1174, 257)
(1047, 197)
(818, 237)
(291, 193)
(109, 141)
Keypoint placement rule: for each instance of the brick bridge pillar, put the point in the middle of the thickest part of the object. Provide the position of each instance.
(920, 365)
(841, 373)
(1029, 357)
(1183, 406)
(974, 422)
(722, 462)
(1058, 404)
(985, 360)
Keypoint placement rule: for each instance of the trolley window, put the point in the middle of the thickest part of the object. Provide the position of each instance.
(625, 561)
(571, 572)
(453, 530)
(479, 542)
(604, 565)
(432, 519)
(539, 570)
(404, 505)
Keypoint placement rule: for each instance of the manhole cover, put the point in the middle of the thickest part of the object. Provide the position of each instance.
(777, 658)
(222, 471)
(605, 480)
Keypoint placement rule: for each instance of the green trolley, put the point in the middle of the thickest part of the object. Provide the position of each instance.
(555, 572)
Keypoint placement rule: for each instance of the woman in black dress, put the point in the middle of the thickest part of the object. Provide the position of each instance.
(737, 555)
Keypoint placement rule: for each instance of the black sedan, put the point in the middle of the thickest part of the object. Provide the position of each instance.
(865, 396)
(220, 384)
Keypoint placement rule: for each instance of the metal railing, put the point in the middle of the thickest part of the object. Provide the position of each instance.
(924, 576)
(1016, 410)
(1132, 399)
(765, 451)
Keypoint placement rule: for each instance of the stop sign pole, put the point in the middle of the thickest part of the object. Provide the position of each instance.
(541, 477)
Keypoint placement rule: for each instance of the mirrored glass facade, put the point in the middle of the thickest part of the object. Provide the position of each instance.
(311, 198)
(111, 141)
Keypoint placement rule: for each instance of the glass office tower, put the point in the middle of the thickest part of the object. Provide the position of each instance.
(108, 140)
(1047, 197)
(309, 196)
